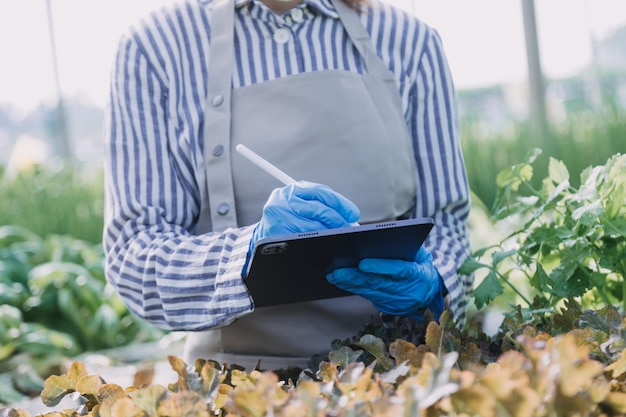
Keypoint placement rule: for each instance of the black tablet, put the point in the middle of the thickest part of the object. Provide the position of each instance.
(292, 268)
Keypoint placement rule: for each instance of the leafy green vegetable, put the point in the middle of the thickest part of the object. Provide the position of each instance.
(570, 242)
(55, 302)
(542, 375)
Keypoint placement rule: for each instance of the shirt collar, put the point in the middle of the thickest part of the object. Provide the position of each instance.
(324, 7)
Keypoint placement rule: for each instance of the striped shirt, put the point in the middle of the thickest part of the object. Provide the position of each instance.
(178, 280)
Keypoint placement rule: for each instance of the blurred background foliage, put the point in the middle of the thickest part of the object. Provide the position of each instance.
(68, 199)
(64, 200)
(581, 140)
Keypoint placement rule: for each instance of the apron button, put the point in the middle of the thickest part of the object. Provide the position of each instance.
(217, 100)
(223, 209)
(218, 150)
(281, 35)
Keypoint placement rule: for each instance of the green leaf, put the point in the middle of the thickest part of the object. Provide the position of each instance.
(525, 172)
(615, 228)
(57, 274)
(506, 178)
(372, 344)
(13, 293)
(105, 327)
(27, 379)
(540, 280)
(470, 265)
(508, 210)
(487, 290)
(558, 171)
(569, 279)
(527, 202)
(550, 201)
(513, 177)
(509, 179)
(376, 347)
(595, 320)
(6, 349)
(39, 340)
(14, 267)
(501, 255)
(589, 214)
(10, 316)
(615, 201)
(590, 179)
(8, 394)
(344, 356)
(73, 312)
(10, 234)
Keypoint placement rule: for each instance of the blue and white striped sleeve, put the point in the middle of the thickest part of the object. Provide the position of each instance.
(443, 190)
(164, 273)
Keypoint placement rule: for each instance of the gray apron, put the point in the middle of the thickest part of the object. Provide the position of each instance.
(339, 128)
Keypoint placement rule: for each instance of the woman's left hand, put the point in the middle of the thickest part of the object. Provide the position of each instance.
(394, 286)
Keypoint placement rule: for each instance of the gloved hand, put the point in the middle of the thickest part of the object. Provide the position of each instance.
(394, 286)
(304, 207)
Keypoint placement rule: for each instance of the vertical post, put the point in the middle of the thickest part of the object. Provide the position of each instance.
(62, 146)
(537, 114)
(592, 75)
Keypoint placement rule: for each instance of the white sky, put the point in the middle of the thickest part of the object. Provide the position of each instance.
(484, 41)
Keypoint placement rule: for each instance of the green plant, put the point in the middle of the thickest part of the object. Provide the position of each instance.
(583, 138)
(451, 372)
(55, 302)
(58, 282)
(68, 200)
(570, 242)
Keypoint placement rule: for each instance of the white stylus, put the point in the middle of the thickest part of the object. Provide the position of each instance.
(267, 167)
(264, 165)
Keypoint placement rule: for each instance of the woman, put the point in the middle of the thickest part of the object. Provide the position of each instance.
(356, 99)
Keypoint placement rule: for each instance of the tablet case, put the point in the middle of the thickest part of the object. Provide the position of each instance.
(292, 268)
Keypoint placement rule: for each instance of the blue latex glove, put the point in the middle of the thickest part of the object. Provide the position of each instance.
(304, 207)
(394, 286)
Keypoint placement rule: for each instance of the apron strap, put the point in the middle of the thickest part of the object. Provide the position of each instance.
(362, 41)
(221, 212)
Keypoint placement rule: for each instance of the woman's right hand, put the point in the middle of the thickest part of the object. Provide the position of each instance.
(304, 207)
